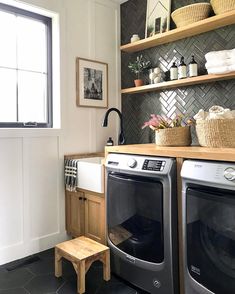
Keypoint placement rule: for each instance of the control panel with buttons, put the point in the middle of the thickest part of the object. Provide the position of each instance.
(153, 165)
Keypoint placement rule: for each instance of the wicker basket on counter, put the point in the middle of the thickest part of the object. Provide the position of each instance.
(191, 13)
(179, 136)
(216, 133)
(222, 6)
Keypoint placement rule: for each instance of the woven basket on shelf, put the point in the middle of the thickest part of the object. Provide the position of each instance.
(191, 13)
(180, 136)
(216, 133)
(222, 6)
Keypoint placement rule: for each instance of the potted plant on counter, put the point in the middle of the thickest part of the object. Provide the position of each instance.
(139, 66)
(170, 132)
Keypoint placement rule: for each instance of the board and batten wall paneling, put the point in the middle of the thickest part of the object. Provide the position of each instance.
(32, 213)
(106, 42)
(97, 39)
(41, 173)
(11, 196)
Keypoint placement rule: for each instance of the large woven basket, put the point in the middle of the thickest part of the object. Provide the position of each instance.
(191, 13)
(216, 133)
(180, 136)
(222, 6)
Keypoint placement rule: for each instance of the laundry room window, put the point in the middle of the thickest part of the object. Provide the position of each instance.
(25, 69)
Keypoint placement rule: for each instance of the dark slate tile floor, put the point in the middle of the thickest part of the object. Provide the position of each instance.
(38, 278)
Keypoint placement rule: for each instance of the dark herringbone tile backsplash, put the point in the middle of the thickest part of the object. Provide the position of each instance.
(136, 108)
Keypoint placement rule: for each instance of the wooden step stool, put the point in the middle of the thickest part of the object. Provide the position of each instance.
(82, 252)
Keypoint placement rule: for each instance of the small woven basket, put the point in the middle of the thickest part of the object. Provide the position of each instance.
(180, 136)
(222, 6)
(191, 13)
(216, 133)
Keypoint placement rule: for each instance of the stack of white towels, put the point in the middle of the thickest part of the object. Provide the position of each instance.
(215, 112)
(220, 62)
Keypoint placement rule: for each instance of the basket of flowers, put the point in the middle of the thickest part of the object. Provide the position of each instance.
(170, 132)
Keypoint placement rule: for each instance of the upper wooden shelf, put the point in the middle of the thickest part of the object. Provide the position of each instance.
(199, 27)
(179, 83)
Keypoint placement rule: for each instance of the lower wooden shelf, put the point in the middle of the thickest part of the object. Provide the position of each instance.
(179, 83)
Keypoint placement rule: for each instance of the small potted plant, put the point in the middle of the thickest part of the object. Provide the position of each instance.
(170, 132)
(139, 66)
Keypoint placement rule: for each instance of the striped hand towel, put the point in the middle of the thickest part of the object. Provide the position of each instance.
(70, 174)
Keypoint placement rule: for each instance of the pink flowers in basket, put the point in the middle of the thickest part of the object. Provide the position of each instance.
(157, 122)
(170, 132)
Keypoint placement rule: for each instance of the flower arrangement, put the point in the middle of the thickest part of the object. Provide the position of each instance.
(139, 66)
(170, 132)
(157, 122)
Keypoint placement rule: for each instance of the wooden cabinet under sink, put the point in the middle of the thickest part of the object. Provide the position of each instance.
(85, 214)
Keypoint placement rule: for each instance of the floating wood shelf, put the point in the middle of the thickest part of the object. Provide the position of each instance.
(179, 83)
(199, 27)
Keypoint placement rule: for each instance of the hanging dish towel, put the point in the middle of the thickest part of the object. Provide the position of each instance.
(70, 174)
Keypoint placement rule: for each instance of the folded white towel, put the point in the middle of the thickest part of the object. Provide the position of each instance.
(216, 109)
(220, 62)
(224, 54)
(201, 115)
(218, 112)
(215, 112)
(221, 69)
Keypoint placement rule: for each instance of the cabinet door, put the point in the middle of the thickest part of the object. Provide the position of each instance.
(75, 213)
(95, 217)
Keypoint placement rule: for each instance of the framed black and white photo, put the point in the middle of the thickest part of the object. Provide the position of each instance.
(92, 83)
(157, 17)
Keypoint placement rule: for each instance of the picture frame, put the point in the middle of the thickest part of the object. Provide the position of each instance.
(91, 83)
(158, 16)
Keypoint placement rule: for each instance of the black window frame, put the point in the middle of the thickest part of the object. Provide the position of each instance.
(48, 22)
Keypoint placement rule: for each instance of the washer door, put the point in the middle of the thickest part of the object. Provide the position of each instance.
(135, 216)
(211, 238)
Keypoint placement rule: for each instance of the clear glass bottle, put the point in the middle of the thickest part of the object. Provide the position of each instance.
(193, 68)
(173, 72)
(182, 69)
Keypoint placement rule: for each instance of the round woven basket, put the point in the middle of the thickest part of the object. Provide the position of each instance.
(191, 13)
(180, 136)
(216, 133)
(222, 6)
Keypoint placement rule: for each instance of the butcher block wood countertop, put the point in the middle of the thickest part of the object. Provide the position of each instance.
(192, 152)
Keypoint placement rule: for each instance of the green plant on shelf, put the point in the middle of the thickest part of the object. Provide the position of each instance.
(139, 66)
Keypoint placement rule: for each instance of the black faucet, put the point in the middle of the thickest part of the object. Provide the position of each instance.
(121, 138)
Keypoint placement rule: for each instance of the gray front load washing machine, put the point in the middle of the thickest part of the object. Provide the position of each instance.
(142, 221)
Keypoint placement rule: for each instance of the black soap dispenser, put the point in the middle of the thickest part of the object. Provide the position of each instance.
(109, 142)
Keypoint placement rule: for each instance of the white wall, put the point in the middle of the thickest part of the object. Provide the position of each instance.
(31, 169)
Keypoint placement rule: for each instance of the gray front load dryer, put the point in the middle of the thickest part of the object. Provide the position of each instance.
(209, 227)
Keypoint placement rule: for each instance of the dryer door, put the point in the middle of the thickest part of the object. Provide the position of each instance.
(211, 238)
